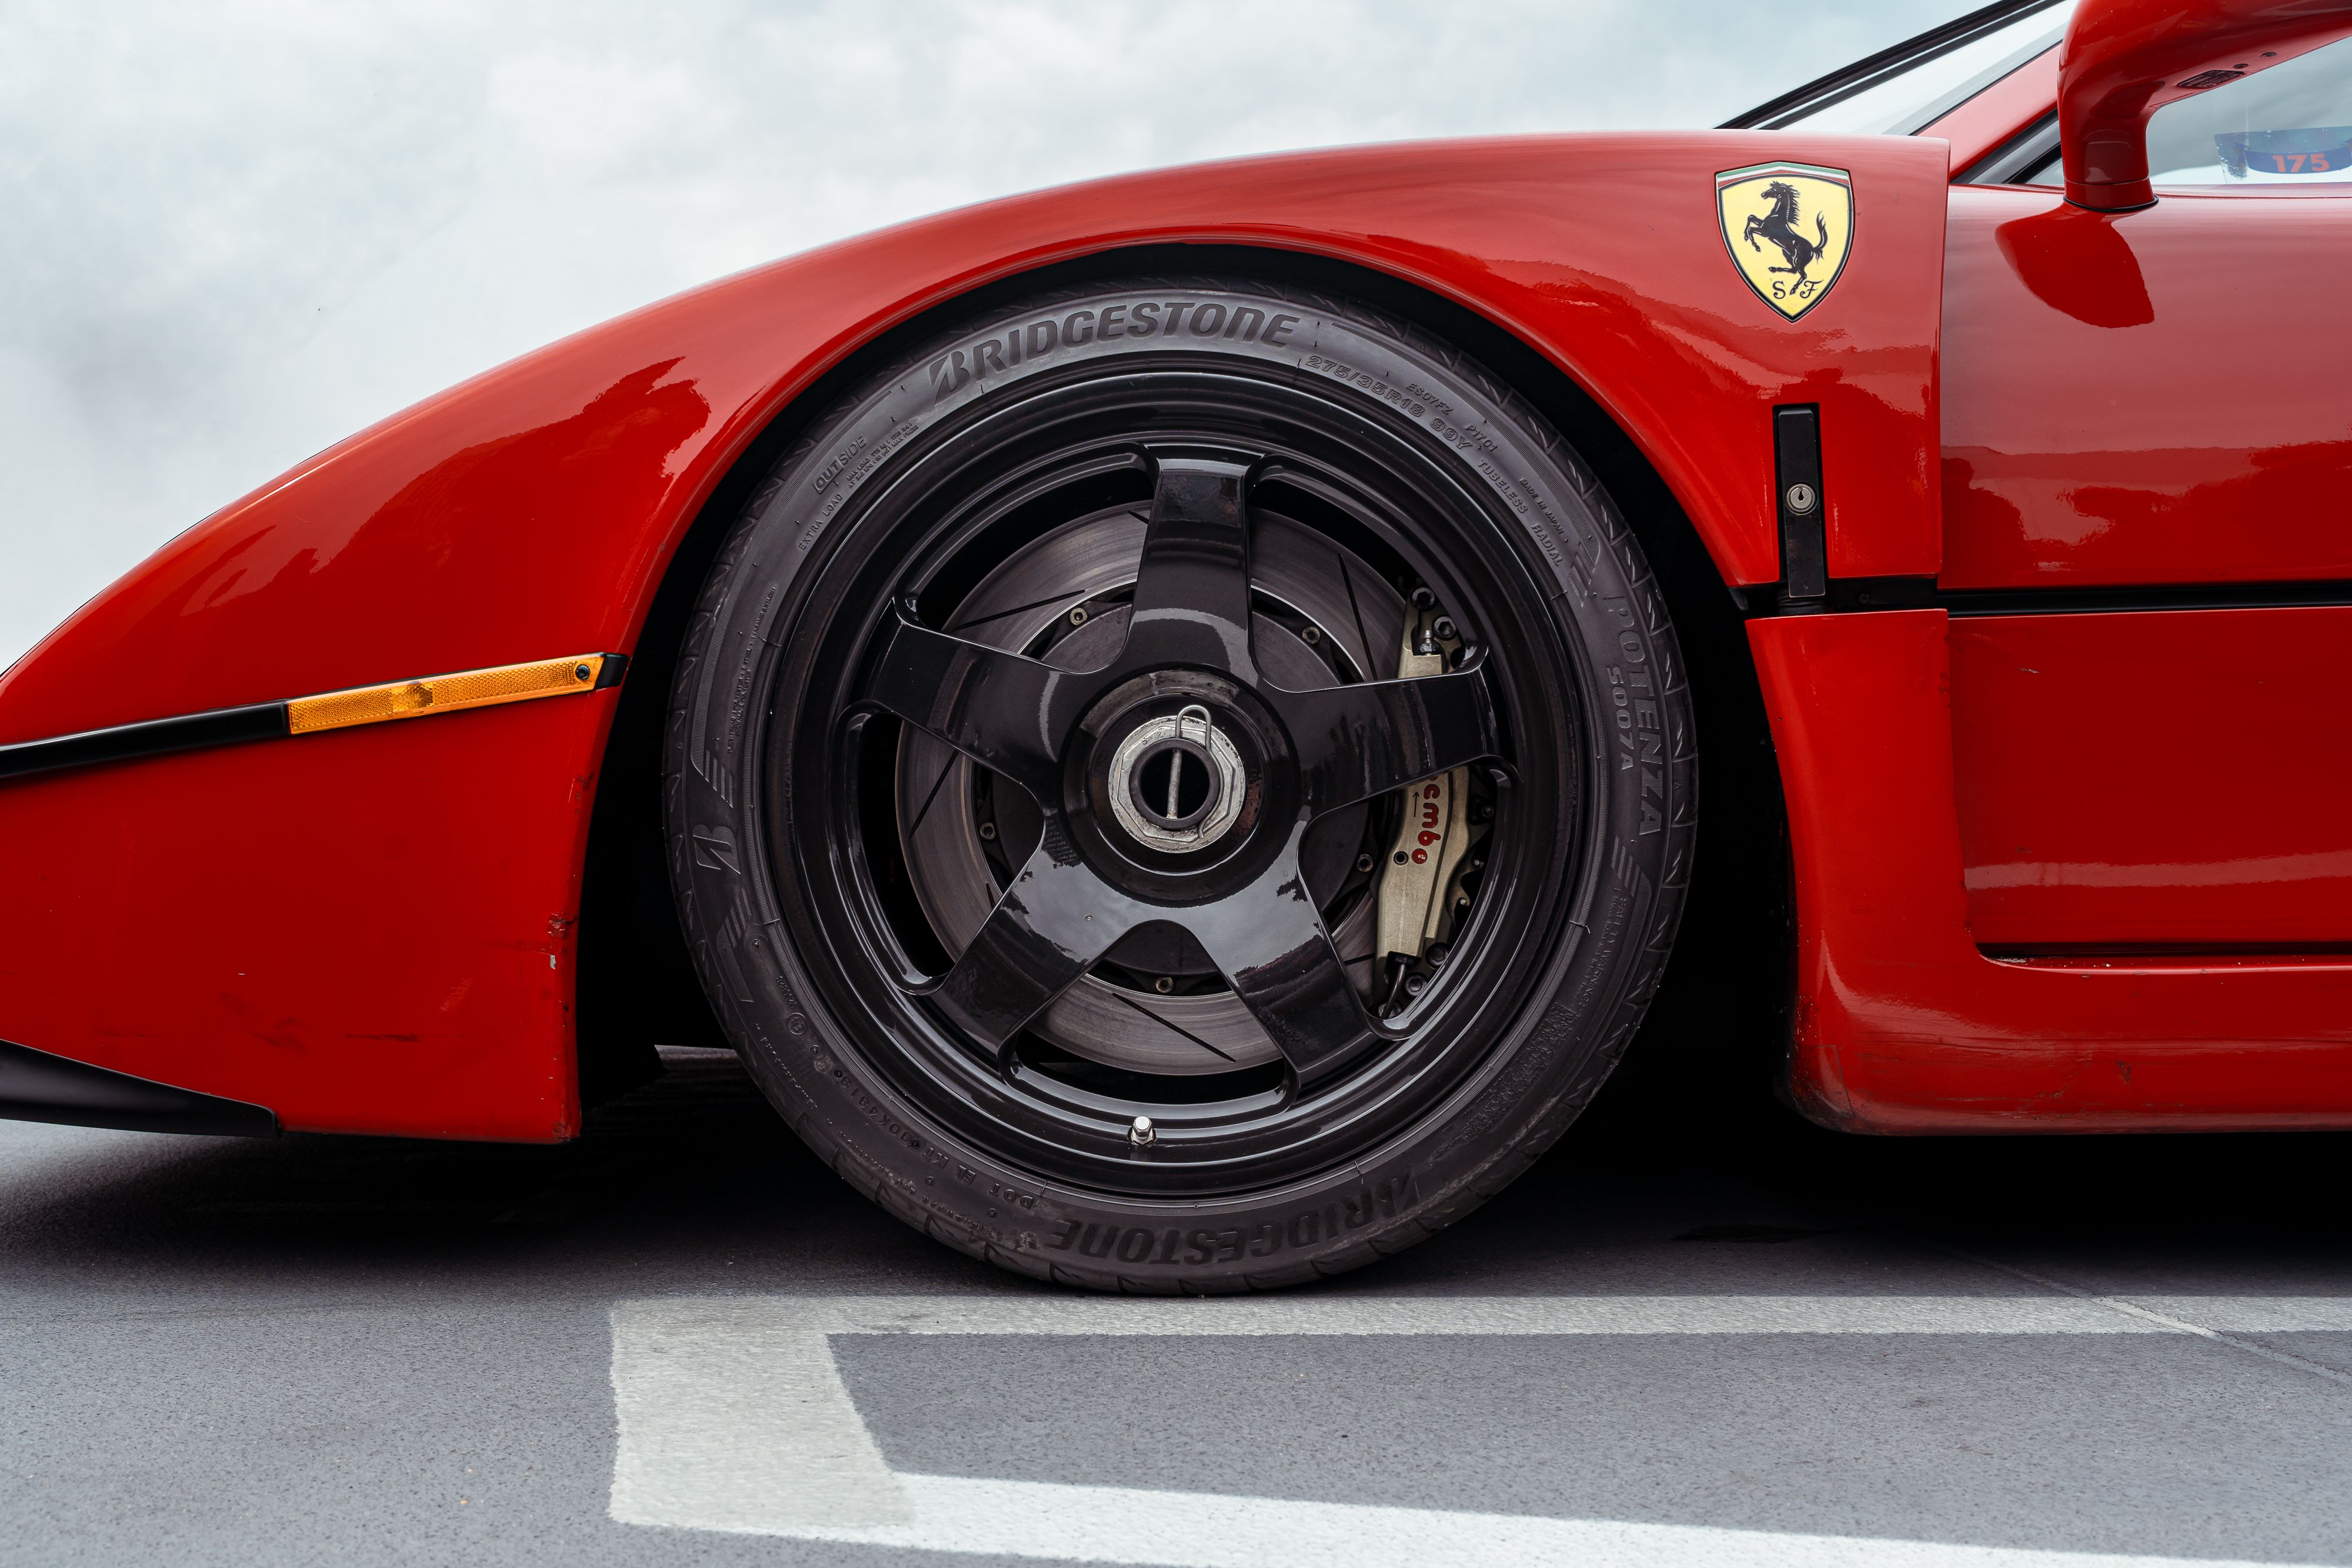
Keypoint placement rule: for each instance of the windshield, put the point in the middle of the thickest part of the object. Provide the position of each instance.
(1896, 92)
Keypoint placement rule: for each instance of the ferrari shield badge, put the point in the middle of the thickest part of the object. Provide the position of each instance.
(1789, 227)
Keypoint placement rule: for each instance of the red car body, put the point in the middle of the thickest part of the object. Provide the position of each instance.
(2065, 752)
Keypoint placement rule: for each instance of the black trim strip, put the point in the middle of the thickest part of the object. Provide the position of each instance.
(2189, 596)
(1847, 80)
(1851, 594)
(2008, 163)
(232, 727)
(2112, 955)
(35, 1086)
(153, 737)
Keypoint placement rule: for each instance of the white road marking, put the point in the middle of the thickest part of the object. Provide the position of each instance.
(2251, 1315)
(732, 1416)
(2153, 1311)
(738, 1420)
(1209, 1529)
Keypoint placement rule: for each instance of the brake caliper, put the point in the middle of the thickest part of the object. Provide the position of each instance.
(1417, 897)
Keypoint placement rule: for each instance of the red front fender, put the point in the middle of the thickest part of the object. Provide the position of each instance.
(375, 930)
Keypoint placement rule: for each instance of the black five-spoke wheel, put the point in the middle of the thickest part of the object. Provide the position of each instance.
(1186, 808)
(1057, 734)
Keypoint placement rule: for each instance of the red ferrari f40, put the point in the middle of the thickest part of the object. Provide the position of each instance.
(1164, 719)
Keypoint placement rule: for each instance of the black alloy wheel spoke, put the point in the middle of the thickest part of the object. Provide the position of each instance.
(1270, 943)
(1051, 924)
(1357, 742)
(1004, 711)
(1193, 589)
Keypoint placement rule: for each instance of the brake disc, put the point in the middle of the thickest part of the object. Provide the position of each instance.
(1356, 619)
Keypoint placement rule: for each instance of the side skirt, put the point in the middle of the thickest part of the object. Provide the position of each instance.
(38, 1087)
(1904, 1025)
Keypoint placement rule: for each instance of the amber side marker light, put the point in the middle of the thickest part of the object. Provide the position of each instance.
(443, 693)
(420, 699)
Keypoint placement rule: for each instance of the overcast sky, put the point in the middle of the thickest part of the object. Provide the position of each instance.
(236, 233)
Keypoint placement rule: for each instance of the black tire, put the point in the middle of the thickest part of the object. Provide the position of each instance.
(784, 809)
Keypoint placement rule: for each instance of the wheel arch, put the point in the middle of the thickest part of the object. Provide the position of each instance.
(1741, 885)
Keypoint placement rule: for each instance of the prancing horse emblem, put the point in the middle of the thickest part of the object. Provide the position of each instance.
(1788, 227)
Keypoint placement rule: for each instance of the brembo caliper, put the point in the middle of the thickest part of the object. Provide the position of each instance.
(1416, 899)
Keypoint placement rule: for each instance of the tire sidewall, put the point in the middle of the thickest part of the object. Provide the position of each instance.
(1642, 775)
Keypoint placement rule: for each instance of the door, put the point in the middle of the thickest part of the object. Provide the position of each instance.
(2147, 538)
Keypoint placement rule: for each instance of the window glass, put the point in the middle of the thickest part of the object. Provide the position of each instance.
(2290, 125)
(1902, 104)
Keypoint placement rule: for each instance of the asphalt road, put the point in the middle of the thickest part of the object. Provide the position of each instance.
(681, 1340)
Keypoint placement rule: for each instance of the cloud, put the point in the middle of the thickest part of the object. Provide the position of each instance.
(239, 231)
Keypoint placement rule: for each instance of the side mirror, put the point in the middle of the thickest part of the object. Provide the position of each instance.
(2125, 59)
